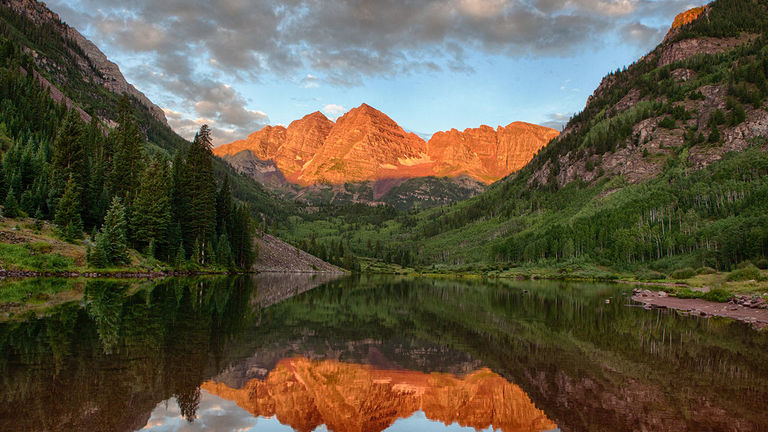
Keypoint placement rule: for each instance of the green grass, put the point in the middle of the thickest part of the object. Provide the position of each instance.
(21, 257)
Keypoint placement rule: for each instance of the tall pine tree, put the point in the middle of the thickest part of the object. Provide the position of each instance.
(69, 160)
(198, 195)
(112, 239)
(128, 159)
(68, 220)
(152, 210)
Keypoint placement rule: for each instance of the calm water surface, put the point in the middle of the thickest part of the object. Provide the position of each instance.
(303, 353)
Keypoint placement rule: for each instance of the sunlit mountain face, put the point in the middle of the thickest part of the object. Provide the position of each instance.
(366, 145)
(348, 397)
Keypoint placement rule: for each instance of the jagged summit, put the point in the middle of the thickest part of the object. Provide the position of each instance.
(366, 144)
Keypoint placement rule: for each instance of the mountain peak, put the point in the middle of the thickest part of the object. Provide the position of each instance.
(366, 144)
(688, 17)
(317, 115)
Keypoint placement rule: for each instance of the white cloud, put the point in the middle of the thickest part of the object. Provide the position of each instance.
(333, 111)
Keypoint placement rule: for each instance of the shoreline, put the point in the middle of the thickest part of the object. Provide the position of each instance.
(127, 274)
(758, 317)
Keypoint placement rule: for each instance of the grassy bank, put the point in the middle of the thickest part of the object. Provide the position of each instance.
(746, 280)
(30, 245)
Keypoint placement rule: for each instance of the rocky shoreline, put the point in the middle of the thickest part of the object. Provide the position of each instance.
(749, 309)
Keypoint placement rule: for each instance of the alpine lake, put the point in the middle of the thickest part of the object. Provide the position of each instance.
(274, 352)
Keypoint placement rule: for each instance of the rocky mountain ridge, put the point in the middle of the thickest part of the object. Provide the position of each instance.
(90, 60)
(664, 105)
(367, 145)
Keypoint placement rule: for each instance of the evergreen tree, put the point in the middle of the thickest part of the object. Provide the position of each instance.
(68, 220)
(241, 239)
(69, 159)
(11, 205)
(199, 195)
(152, 210)
(224, 252)
(128, 159)
(224, 208)
(112, 238)
(98, 256)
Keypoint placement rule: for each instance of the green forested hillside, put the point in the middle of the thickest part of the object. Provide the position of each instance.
(695, 126)
(136, 184)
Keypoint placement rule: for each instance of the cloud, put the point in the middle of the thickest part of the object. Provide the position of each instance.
(310, 81)
(333, 111)
(640, 34)
(213, 414)
(557, 121)
(192, 49)
(347, 40)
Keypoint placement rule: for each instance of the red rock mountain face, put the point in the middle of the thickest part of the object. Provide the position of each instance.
(345, 397)
(365, 144)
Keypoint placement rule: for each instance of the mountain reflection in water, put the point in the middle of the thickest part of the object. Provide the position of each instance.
(358, 398)
(367, 353)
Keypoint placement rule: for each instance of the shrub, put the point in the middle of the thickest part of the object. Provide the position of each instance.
(744, 264)
(650, 275)
(667, 123)
(40, 247)
(705, 270)
(743, 274)
(717, 295)
(683, 273)
(762, 263)
(686, 293)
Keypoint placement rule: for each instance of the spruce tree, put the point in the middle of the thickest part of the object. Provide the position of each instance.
(128, 159)
(224, 208)
(152, 209)
(199, 195)
(68, 221)
(11, 205)
(241, 239)
(98, 256)
(113, 237)
(224, 252)
(69, 159)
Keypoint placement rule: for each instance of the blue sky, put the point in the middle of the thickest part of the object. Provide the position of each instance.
(431, 65)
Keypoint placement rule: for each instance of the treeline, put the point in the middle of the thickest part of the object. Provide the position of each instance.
(717, 216)
(335, 252)
(111, 183)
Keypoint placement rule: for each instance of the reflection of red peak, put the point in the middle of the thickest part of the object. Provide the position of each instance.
(346, 397)
(365, 144)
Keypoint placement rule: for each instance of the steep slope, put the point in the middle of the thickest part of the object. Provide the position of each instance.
(669, 100)
(367, 145)
(276, 255)
(87, 57)
(52, 68)
(487, 154)
(666, 167)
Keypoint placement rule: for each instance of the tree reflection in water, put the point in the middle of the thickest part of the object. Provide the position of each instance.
(106, 363)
